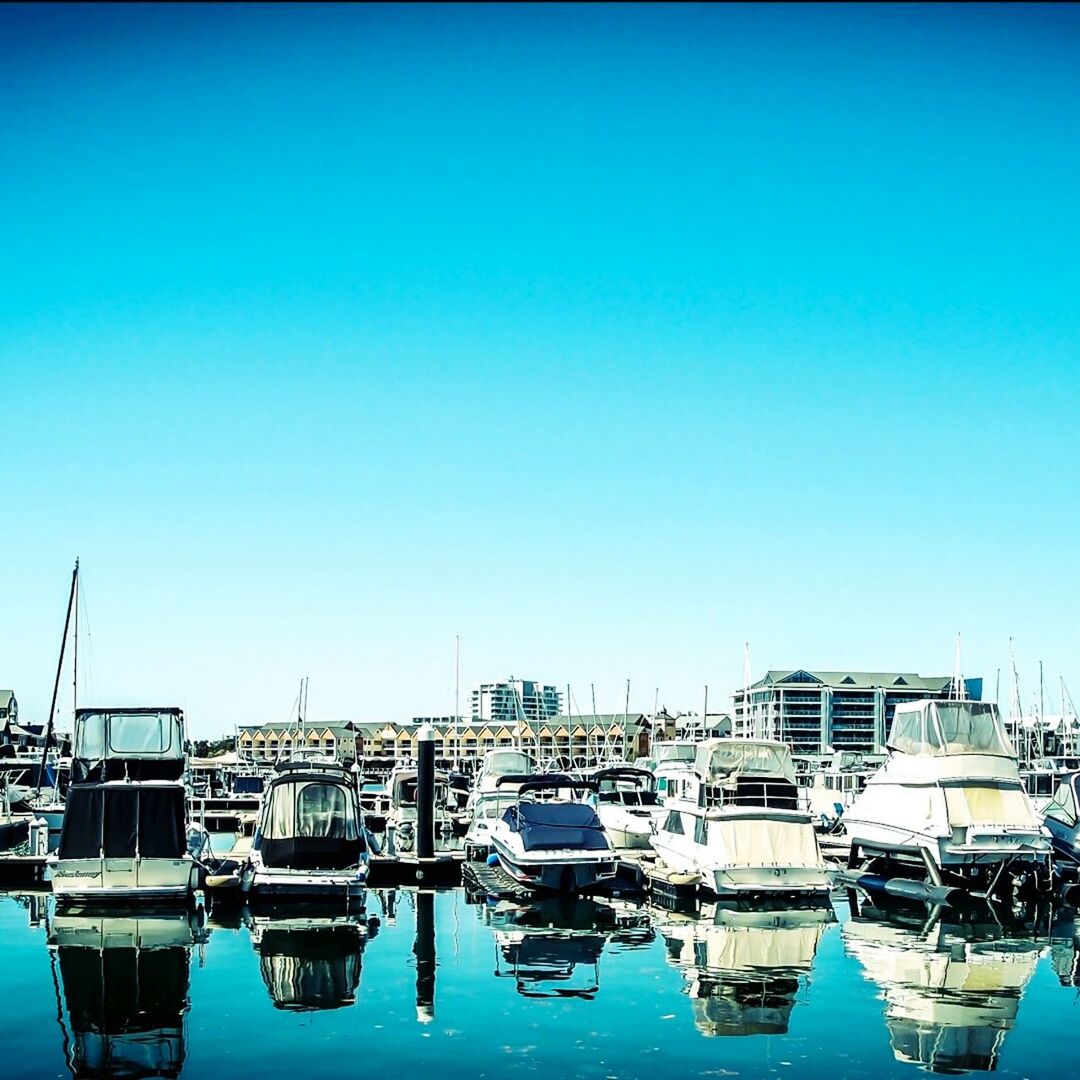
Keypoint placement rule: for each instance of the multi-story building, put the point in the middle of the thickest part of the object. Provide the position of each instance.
(815, 711)
(9, 707)
(569, 741)
(514, 700)
(276, 741)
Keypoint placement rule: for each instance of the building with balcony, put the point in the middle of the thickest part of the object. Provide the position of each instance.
(514, 700)
(267, 743)
(816, 712)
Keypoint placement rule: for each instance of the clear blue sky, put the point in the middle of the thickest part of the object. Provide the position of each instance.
(608, 338)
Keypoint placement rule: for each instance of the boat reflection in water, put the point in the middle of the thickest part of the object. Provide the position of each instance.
(125, 988)
(552, 948)
(311, 963)
(743, 965)
(952, 983)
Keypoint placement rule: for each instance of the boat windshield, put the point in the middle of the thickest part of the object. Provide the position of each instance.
(673, 751)
(947, 728)
(507, 763)
(129, 735)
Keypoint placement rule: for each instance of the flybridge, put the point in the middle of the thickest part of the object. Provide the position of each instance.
(135, 744)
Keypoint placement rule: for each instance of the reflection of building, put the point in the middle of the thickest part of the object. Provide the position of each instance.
(743, 967)
(310, 964)
(271, 742)
(951, 992)
(845, 710)
(125, 982)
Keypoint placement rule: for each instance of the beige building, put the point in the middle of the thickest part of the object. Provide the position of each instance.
(273, 742)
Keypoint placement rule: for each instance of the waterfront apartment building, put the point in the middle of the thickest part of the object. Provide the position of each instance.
(815, 712)
(514, 700)
(568, 741)
(277, 741)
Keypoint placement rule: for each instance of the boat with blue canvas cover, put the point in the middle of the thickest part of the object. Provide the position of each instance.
(550, 841)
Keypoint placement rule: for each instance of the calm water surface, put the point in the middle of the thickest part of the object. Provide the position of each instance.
(594, 989)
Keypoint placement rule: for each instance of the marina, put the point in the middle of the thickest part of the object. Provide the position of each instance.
(593, 987)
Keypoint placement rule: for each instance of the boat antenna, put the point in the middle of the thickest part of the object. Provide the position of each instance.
(959, 693)
(592, 729)
(746, 689)
(705, 713)
(56, 682)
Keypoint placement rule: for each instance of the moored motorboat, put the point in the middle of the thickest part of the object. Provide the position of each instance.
(737, 822)
(628, 806)
(310, 842)
(550, 841)
(949, 797)
(125, 832)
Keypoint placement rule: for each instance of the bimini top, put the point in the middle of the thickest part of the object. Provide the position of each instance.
(947, 728)
(506, 762)
(720, 759)
(136, 744)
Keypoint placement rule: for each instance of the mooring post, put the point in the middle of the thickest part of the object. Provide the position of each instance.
(425, 956)
(425, 792)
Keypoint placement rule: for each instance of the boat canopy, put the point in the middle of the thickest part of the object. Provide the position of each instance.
(682, 750)
(556, 826)
(720, 759)
(136, 744)
(122, 821)
(311, 822)
(506, 762)
(946, 728)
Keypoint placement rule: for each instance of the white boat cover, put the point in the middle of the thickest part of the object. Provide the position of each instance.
(748, 842)
(944, 728)
(719, 759)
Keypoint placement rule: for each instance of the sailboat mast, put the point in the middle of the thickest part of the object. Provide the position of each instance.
(56, 681)
(75, 649)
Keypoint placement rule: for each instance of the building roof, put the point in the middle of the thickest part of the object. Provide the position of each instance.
(6, 697)
(278, 727)
(857, 680)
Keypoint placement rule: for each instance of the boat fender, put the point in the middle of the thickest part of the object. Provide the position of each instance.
(493, 859)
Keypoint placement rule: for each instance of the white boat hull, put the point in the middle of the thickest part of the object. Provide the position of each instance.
(122, 879)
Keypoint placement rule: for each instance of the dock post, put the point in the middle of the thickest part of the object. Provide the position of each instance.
(425, 956)
(425, 792)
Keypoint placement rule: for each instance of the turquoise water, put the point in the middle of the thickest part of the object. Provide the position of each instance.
(592, 989)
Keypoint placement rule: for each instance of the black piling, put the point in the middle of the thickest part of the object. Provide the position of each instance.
(425, 792)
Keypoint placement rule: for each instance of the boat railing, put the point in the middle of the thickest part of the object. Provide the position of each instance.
(747, 791)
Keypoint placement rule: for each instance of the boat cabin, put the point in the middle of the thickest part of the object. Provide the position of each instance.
(948, 728)
(744, 773)
(311, 820)
(626, 786)
(128, 744)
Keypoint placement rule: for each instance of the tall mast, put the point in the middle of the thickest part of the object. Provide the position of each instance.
(75, 651)
(56, 681)
(457, 678)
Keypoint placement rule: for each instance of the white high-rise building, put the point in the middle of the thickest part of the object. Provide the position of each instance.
(514, 700)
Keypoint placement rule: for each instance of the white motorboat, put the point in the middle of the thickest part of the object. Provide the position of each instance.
(628, 806)
(736, 821)
(489, 798)
(949, 796)
(671, 761)
(744, 966)
(310, 842)
(125, 832)
(401, 787)
(552, 842)
(834, 787)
